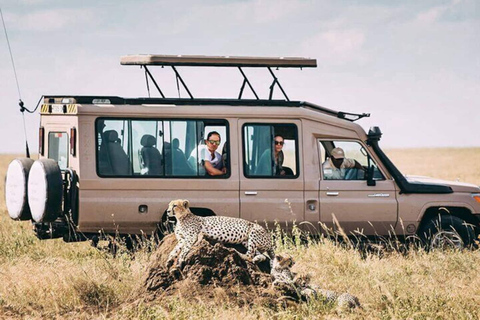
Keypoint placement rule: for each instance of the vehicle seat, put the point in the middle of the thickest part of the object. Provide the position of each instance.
(179, 160)
(118, 158)
(151, 157)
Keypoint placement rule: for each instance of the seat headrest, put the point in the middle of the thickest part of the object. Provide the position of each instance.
(111, 135)
(148, 140)
(175, 143)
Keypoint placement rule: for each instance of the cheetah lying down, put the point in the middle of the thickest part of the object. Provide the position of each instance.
(223, 229)
(283, 276)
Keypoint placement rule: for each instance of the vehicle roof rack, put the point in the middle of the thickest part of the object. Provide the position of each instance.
(217, 61)
(145, 60)
(107, 100)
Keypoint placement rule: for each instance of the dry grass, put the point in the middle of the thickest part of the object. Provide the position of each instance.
(52, 279)
(453, 164)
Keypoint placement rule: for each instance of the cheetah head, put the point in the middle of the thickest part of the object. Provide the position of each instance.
(283, 261)
(178, 208)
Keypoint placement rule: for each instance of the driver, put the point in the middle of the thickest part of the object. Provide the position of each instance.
(334, 167)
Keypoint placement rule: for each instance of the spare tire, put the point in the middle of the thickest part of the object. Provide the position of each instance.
(45, 190)
(16, 190)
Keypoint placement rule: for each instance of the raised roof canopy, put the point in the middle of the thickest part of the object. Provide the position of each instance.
(217, 61)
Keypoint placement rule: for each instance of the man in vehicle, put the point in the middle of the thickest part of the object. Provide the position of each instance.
(334, 167)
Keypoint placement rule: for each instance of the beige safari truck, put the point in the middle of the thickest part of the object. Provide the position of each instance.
(110, 165)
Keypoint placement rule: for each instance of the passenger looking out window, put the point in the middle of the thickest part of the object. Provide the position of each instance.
(270, 150)
(278, 169)
(211, 159)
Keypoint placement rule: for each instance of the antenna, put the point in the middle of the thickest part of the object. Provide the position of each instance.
(20, 102)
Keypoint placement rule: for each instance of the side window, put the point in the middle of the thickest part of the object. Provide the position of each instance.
(270, 150)
(147, 140)
(58, 148)
(161, 148)
(346, 160)
(113, 148)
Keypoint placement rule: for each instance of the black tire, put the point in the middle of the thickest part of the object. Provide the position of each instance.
(45, 190)
(448, 231)
(16, 189)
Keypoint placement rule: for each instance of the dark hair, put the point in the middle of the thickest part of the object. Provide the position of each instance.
(212, 133)
(278, 135)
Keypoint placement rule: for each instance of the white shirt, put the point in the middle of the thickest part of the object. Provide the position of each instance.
(330, 172)
(205, 155)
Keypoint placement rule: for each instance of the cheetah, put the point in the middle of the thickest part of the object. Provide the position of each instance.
(223, 229)
(281, 272)
(283, 276)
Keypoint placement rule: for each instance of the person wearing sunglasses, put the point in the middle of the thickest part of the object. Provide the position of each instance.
(279, 142)
(212, 160)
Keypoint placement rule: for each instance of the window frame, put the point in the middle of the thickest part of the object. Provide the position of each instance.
(225, 122)
(270, 124)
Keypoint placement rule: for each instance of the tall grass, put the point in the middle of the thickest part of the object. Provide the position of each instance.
(53, 279)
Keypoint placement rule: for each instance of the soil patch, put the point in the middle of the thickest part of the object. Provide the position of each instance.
(213, 272)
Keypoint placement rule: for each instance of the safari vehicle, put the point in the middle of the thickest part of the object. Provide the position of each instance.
(111, 165)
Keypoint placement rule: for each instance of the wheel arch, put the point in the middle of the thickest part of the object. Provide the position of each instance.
(459, 211)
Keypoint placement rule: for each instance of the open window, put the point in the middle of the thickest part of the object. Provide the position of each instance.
(270, 150)
(157, 147)
(346, 160)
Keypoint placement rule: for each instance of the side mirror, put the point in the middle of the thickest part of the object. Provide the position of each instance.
(370, 181)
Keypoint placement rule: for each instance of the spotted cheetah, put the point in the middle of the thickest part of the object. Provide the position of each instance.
(283, 276)
(281, 272)
(223, 229)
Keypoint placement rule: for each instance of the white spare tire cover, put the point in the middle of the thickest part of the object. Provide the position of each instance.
(16, 190)
(45, 190)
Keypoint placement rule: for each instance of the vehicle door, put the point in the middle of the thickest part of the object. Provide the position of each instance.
(345, 195)
(269, 192)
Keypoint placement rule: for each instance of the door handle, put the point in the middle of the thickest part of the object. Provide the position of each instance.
(251, 193)
(332, 194)
(376, 195)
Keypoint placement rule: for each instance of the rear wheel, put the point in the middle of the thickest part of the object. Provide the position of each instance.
(447, 231)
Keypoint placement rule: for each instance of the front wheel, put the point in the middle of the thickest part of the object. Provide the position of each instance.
(447, 231)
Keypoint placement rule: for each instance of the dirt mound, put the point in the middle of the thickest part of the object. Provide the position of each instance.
(212, 272)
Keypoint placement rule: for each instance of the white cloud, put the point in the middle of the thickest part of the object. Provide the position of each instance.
(434, 14)
(336, 46)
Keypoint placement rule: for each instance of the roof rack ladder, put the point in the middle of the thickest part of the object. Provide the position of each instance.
(181, 80)
(272, 86)
(154, 82)
(245, 81)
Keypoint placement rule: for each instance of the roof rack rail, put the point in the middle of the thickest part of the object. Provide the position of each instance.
(144, 60)
(339, 114)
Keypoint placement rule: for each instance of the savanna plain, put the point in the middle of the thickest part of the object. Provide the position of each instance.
(55, 280)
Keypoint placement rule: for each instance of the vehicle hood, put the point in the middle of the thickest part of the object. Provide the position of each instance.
(455, 185)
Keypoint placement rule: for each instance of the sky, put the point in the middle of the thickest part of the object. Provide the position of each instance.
(413, 65)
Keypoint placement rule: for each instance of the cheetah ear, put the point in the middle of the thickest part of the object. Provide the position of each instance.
(186, 204)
